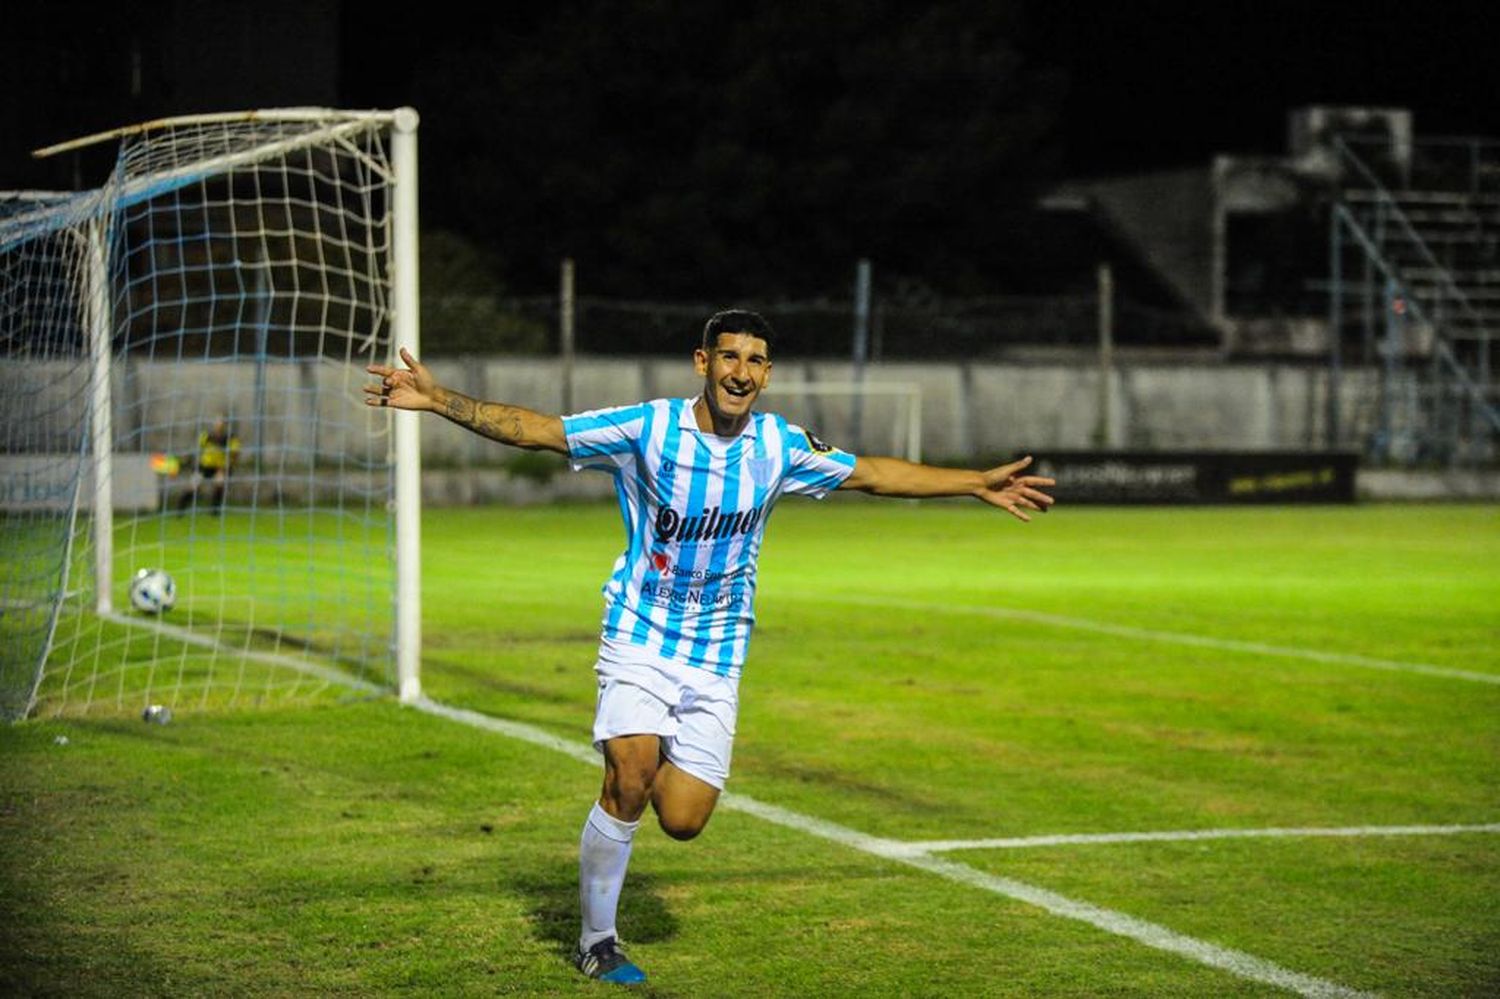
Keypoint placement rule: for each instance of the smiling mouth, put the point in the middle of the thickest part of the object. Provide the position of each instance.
(737, 393)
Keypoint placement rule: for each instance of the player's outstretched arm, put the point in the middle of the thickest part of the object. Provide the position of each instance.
(1004, 487)
(413, 387)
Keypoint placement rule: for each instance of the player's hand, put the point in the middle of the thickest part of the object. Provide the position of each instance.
(412, 387)
(1015, 493)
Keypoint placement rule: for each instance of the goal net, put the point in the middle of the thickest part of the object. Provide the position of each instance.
(181, 355)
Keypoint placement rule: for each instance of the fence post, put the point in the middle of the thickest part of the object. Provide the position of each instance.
(1106, 283)
(565, 329)
(861, 347)
(1335, 329)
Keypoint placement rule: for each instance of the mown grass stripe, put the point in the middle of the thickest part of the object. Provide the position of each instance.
(1237, 963)
(1173, 637)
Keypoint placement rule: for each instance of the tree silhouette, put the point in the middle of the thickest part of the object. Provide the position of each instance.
(710, 149)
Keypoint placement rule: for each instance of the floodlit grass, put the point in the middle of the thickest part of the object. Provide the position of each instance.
(262, 587)
(895, 685)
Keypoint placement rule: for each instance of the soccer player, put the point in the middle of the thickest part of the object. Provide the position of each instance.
(218, 453)
(696, 480)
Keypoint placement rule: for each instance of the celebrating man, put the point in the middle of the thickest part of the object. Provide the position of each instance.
(696, 480)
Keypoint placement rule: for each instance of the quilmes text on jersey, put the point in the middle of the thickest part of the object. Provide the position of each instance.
(710, 525)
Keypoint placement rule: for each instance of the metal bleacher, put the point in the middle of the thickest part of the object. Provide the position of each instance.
(1417, 271)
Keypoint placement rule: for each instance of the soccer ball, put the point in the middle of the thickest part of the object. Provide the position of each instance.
(152, 591)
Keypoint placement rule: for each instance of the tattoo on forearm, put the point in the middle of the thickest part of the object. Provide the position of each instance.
(494, 420)
(497, 420)
(460, 409)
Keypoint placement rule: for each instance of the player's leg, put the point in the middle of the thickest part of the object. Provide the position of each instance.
(695, 760)
(630, 766)
(189, 495)
(683, 803)
(631, 716)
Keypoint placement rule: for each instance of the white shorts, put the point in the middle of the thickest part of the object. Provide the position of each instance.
(692, 710)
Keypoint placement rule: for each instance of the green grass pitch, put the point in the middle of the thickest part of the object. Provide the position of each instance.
(919, 672)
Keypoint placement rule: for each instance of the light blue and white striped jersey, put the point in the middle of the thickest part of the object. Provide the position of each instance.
(695, 507)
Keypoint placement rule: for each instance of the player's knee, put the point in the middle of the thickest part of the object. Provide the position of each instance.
(681, 827)
(680, 822)
(628, 790)
(626, 804)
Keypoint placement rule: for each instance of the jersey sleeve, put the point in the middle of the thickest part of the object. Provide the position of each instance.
(813, 467)
(605, 439)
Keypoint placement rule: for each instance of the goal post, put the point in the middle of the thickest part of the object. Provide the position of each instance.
(407, 333)
(101, 422)
(181, 359)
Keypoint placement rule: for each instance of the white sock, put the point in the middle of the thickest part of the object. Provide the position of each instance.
(603, 853)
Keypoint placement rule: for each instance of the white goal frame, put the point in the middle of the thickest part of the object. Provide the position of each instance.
(405, 332)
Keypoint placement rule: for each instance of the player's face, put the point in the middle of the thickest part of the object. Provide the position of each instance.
(735, 370)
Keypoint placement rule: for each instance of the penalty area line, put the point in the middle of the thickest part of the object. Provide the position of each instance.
(1173, 637)
(1237, 963)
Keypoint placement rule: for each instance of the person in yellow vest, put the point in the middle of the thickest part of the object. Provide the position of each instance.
(218, 452)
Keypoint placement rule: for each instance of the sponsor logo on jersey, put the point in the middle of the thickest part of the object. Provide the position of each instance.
(663, 595)
(691, 575)
(709, 525)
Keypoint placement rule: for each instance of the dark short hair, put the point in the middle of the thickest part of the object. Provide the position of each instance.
(736, 321)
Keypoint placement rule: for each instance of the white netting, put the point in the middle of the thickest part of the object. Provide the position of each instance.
(246, 270)
(43, 423)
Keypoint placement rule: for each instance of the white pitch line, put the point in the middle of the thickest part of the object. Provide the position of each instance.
(1174, 637)
(1235, 962)
(514, 729)
(1073, 839)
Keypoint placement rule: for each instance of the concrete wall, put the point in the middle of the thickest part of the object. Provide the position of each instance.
(312, 412)
(317, 437)
(967, 409)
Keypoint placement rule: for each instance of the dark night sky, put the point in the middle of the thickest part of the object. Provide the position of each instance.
(1166, 84)
(1145, 85)
(1150, 83)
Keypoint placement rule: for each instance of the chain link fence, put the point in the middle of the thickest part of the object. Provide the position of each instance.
(955, 329)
